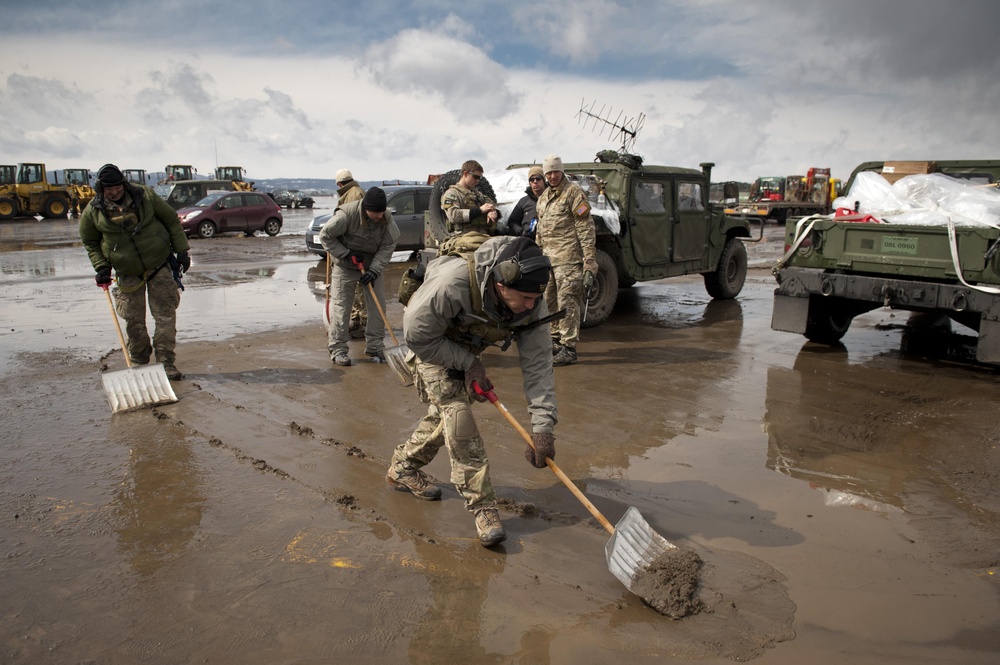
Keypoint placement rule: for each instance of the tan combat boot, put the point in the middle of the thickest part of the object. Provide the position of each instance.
(415, 482)
(489, 528)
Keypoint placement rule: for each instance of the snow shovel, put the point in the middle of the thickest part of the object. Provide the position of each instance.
(135, 387)
(395, 355)
(633, 545)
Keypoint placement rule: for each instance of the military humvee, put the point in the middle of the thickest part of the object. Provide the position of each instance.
(652, 222)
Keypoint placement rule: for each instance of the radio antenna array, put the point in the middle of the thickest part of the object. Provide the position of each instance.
(621, 128)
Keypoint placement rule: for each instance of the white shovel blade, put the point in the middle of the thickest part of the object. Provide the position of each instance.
(137, 387)
(633, 547)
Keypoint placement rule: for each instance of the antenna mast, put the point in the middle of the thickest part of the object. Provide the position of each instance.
(622, 128)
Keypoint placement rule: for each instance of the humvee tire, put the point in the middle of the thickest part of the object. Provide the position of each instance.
(726, 282)
(605, 295)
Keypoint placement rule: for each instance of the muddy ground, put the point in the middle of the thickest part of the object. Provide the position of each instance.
(844, 502)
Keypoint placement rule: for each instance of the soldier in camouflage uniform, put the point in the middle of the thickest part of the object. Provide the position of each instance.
(467, 209)
(129, 228)
(464, 306)
(567, 235)
(349, 190)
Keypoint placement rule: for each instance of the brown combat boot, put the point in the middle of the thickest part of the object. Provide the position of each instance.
(415, 482)
(489, 528)
(566, 356)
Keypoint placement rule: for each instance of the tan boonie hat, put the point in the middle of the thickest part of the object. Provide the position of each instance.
(552, 163)
(343, 175)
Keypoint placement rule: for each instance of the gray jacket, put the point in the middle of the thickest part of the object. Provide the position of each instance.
(443, 304)
(350, 230)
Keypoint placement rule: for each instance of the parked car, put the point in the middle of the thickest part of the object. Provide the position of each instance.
(292, 198)
(231, 212)
(407, 203)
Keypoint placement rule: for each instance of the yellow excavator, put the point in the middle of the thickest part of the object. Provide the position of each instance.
(32, 194)
(234, 174)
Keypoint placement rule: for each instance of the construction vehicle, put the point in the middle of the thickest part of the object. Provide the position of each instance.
(135, 176)
(839, 266)
(235, 174)
(781, 197)
(652, 222)
(32, 194)
(175, 172)
(8, 174)
(79, 181)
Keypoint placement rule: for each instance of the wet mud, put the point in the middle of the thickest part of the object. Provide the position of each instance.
(669, 584)
(844, 502)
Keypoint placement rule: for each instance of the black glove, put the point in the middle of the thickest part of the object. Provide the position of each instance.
(545, 446)
(103, 276)
(369, 277)
(356, 258)
(184, 261)
(477, 374)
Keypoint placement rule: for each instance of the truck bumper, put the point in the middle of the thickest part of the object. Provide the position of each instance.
(797, 286)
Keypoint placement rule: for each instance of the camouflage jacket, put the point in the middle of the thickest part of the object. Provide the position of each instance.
(565, 230)
(461, 210)
(455, 299)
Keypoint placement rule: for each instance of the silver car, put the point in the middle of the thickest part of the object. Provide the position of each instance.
(407, 203)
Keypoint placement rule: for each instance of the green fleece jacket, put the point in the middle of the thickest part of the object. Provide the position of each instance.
(132, 250)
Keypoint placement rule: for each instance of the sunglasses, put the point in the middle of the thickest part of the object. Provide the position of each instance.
(535, 178)
(477, 176)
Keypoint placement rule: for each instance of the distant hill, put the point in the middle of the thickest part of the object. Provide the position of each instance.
(316, 186)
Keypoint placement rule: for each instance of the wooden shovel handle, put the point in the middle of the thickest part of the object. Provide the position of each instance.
(371, 289)
(491, 396)
(118, 326)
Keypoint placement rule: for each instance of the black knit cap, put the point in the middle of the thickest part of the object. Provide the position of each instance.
(374, 200)
(534, 266)
(110, 175)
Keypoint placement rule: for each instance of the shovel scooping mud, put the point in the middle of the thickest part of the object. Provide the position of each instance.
(647, 564)
(395, 355)
(135, 387)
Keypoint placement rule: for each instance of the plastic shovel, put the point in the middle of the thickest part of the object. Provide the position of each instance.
(634, 545)
(395, 355)
(135, 387)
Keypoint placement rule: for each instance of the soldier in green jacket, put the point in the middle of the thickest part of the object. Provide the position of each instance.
(129, 228)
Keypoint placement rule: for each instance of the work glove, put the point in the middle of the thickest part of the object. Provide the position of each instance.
(357, 259)
(544, 446)
(369, 277)
(184, 261)
(103, 277)
(477, 374)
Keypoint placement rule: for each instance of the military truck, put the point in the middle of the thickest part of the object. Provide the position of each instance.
(32, 194)
(652, 222)
(839, 266)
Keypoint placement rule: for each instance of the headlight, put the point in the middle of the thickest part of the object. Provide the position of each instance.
(190, 215)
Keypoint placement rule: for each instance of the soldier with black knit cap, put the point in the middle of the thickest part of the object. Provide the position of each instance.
(360, 233)
(458, 312)
(128, 228)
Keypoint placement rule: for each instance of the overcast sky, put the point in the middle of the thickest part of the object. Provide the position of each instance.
(394, 89)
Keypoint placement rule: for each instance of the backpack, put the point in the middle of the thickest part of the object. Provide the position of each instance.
(464, 245)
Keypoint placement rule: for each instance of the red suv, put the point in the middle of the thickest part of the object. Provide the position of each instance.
(232, 212)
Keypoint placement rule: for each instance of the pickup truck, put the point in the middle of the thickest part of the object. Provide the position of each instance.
(842, 265)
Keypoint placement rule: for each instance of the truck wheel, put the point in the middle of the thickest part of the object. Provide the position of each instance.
(727, 280)
(55, 207)
(826, 323)
(8, 208)
(605, 295)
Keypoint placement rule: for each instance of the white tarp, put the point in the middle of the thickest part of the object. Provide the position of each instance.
(923, 199)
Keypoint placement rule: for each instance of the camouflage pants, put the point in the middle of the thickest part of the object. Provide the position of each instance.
(565, 291)
(449, 422)
(130, 303)
(343, 289)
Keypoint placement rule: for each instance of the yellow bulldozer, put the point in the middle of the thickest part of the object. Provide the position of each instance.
(78, 180)
(235, 174)
(32, 194)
